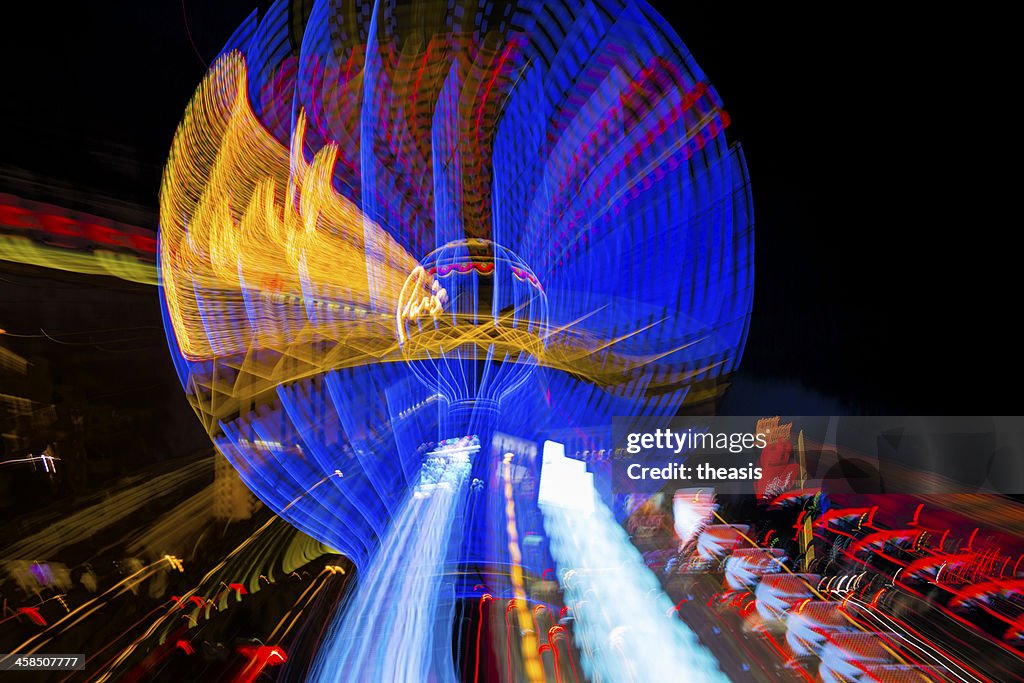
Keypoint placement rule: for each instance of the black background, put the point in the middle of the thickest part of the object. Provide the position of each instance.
(885, 279)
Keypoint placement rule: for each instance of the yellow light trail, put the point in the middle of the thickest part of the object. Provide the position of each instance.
(272, 274)
(18, 249)
(87, 608)
(128, 650)
(531, 660)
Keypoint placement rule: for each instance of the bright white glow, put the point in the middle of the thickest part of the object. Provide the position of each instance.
(625, 627)
(565, 482)
(691, 511)
(397, 625)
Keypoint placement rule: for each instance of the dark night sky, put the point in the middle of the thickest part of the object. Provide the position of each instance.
(881, 279)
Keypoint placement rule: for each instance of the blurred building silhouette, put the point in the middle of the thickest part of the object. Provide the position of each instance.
(232, 500)
(29, 463)
(27, 418)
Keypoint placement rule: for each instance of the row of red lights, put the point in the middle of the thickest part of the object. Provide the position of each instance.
(64, 227)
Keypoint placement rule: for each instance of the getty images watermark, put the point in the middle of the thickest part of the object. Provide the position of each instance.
(843, 454)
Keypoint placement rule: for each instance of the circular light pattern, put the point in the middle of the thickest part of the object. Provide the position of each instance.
(560, 170)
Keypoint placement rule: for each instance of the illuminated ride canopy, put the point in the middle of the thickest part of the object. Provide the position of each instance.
(387, 226)
(472, 323)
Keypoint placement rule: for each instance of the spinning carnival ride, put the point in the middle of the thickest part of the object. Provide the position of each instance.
(384, 227)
